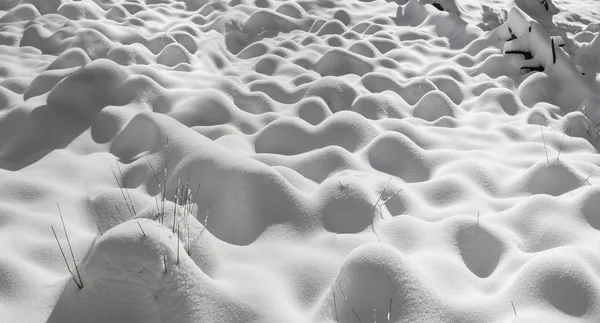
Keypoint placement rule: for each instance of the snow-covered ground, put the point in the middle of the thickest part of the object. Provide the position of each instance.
(299, 161)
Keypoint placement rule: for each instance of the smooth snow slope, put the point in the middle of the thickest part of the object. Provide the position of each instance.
(359, 161)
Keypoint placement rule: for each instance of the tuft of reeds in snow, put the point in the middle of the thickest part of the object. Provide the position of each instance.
(79, 282)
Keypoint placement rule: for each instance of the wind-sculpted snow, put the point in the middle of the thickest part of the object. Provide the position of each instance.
(320, 161)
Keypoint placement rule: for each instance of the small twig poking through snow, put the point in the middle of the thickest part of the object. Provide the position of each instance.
(80, 284)
(196, 197)
(178, 245)
(544, 139)
(351, 307)
(341, 185)
(99, 230)
(382, 192)
(164, 186)
(121, 188)
(206, 217)
(175, 204)
(138, 223)
(165, 263)
(373, 228)
(588, 178)
(337, 319)
(389, 317)
(119, 212)
(553, 51)
(159, 188)
(391, 197)
(513, 306)
(153, 171)
(115, 219)
(125, 188)
(562, 141)
(65, 258)
(189, 249)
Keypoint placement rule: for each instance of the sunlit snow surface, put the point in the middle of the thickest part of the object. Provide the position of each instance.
(359, 161)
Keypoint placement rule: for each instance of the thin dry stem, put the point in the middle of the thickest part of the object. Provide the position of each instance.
(122, 192)
(178, 245)
(70, 248)
(351, 307)
(544, 139)
(337, 319)
(382, 192)
(144, 232)
(562, 141)
(119, 212)
(125, 188)
(64, 257)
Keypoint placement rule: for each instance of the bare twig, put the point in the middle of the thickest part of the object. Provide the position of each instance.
(165, 263)
(513, 306)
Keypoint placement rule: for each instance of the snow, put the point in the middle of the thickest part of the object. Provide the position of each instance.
(299, 161)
